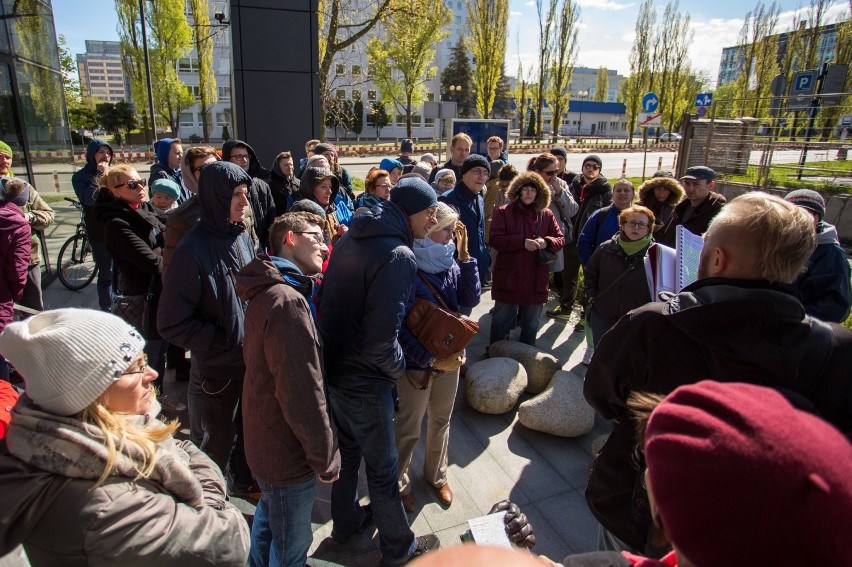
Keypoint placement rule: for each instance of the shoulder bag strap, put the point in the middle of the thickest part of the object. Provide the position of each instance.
(617, 279)
(434, 291)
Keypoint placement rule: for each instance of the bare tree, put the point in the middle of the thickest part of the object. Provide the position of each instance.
(640, 63)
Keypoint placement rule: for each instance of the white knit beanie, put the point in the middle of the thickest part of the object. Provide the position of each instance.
(69, 357)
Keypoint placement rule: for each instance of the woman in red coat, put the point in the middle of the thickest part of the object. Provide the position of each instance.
(15, 241)
(526, 235)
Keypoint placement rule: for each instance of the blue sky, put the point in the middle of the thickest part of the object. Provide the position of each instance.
(606, 28)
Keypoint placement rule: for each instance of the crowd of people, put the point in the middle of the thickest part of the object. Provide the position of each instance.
(290, 294)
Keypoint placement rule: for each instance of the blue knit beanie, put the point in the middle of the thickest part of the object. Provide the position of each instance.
(413, 195)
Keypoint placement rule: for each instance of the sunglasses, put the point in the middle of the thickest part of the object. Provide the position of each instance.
(551, 172)
(133, 184)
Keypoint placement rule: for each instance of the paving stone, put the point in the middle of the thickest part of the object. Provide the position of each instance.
(540, 365)
(598, 443)
(569, 515)
(561, 409)
(494, 385)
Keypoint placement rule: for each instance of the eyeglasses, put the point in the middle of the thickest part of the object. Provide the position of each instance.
(480, 172)
(133, 184)
(315, 236)
(551, 172)
(447, 181)
(137, 368)
(632, 224)
(239, 157)
(592, 165)
(383, 185)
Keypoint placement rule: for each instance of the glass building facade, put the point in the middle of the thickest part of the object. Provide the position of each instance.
(32, 101)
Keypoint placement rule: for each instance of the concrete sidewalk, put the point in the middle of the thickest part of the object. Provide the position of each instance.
(490, 457)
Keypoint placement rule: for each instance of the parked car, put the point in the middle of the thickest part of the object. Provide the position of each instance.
(670, 137)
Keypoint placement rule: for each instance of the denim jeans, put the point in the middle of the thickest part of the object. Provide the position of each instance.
(504, 316)
(365, 429)
(103, 261)
(281, 531)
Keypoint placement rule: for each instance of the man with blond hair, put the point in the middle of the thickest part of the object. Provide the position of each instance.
(741, 321)
(459, 149)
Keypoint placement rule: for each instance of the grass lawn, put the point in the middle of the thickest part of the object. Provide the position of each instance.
(785, 176)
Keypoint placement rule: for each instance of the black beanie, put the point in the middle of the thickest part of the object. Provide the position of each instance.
(559, 151)
(413, 195)
(593, 158)
(475, 160)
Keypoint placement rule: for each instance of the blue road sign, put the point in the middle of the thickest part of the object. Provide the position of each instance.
(702, 110)
(846, 120)
(703, 99)
(650, 102)
(804, 82)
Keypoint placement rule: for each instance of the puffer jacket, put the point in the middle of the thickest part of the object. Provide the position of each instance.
(131, 237)
(85, 183)
(72, 522)
(608, 262)
(363, 300)
(15, 253)
(458, 287)
(471, 208)
(199, 308)
(662, 211)
(590, 197)
(260, 196)
(824, 285)
(519, 279)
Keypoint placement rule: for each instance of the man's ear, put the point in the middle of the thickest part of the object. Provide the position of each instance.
(288, 240)
(711, 184)
(717, 263)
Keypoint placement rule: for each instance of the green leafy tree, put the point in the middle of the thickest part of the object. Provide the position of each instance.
(402, 57)
(640, 63)
(117, 118)
(357, 118)
(203, 40)
(546, 11)
(378, 118)
(487, 22)
(502, 104)
(562, 59)
(602, 85)
(531, 126)
(458, 73)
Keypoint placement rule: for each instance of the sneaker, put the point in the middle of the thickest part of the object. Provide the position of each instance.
(560, 312)
(365, 523)
(169, 405)
(587, 357)
(425, 544)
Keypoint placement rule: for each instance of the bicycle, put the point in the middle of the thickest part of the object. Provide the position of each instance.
(78, 268)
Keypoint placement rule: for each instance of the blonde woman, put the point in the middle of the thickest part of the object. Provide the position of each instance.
(430, 384)
(90, 475)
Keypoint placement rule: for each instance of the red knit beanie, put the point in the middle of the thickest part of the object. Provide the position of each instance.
(740, 477)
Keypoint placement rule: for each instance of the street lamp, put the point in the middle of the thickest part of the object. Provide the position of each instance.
(581, 95)
(456, 90)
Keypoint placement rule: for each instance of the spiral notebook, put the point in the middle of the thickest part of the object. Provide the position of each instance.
(672, 269)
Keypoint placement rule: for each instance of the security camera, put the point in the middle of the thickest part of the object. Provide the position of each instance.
(219, 17)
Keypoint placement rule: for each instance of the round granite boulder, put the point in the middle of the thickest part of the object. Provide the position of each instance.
(539, 365)
(561, 409)
(494, 385)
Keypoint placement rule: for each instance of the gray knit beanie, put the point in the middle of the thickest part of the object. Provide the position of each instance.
(69, 357)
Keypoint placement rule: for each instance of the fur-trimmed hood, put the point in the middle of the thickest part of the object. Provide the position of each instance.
(646, 190)
(542, 198)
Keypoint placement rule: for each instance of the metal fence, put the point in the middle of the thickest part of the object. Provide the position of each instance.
(790, 145)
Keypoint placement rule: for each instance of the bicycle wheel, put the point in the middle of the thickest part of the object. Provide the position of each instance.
(76, 263)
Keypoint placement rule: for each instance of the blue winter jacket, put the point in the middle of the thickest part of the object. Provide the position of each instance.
(85, 184)
(824, 286)
(363, 300)
(199, 308)
(458, 287)
(471, 208)
(595, 233)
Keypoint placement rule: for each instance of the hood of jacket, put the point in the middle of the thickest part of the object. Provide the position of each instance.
(265, 271)
(162, 147)
(277, 173)
(383, 220)
(216, 188)
(254, 169)
(646, 190)
(542, 194)
(91, 149)
(109, 207)
(596, 187)
(826, 234)
(314, 175)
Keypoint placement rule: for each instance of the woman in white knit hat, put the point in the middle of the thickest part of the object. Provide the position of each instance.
(89, 475)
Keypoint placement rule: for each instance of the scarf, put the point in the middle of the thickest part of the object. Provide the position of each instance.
(631, 247)
(433, 258)
(68, 447)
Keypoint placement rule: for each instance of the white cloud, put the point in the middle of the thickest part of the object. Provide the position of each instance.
(629, 37)
(531, 3)
(615, 59)
(514, 14)
(604, 5)
(711, 36)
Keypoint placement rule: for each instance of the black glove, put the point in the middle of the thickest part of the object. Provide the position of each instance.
(517, 526)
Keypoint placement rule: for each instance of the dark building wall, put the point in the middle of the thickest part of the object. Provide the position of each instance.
(275, 73)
